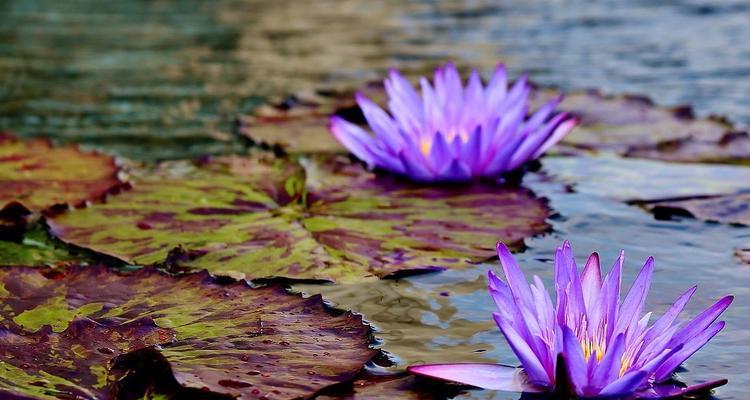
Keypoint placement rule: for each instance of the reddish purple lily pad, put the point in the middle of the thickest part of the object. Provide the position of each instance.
(41, 176)
(729, 209)
(94, 333)
(269, 218)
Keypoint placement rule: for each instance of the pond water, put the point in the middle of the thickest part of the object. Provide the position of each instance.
(165, 79)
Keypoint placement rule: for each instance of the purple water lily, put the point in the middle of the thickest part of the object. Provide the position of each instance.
(588, 343)
(452, 132)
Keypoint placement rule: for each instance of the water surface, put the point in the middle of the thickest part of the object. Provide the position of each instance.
(166, 79)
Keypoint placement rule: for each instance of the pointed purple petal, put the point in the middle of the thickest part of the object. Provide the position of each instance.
(414, 164)
(608, 369)
(486, 376)
(671, 391)
(531, 364)
(591, 280)
(577, 371)
(496, 89)
(354, 138)
(632, 306)
(701, 322)
(666, 320)
(557, 135)
(382, 124)
(456, 170)
(441, 153)
(531, 144)
(515, 277)
(690, 347)
(626, 385)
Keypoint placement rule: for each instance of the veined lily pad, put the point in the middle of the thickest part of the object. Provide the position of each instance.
(730, 209)
(98, 334)
(41, 176)
(259, 217)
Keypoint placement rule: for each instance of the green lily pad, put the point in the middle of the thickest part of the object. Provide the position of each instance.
(729, 209)
(41, 176)
(264, 217)
(36, 247)
(91, 333)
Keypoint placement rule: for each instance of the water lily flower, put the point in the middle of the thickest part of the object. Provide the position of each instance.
(452, 132)
(588, 342)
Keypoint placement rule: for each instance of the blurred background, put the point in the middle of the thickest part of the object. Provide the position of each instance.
(174, 74)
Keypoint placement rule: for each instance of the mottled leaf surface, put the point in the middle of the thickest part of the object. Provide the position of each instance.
(36, 247)
(333, 221)
(392, 225)
(730, 209)
(40, 176)
(84, 331)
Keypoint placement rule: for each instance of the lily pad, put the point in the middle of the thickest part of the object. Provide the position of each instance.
(41, 176)
(128, 333)
(265, 217)
(628, 125)
(299, 122)
(635, 126)
(732, 148)
(36, 247)
(729, 209)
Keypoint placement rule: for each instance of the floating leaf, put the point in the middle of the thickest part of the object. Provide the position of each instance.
(729, 209)
(41, 176)
(36, 247)
(250, 215)
(94, 333)
(629, 125)
(625, 123)
(299, 123)
(732, 148)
